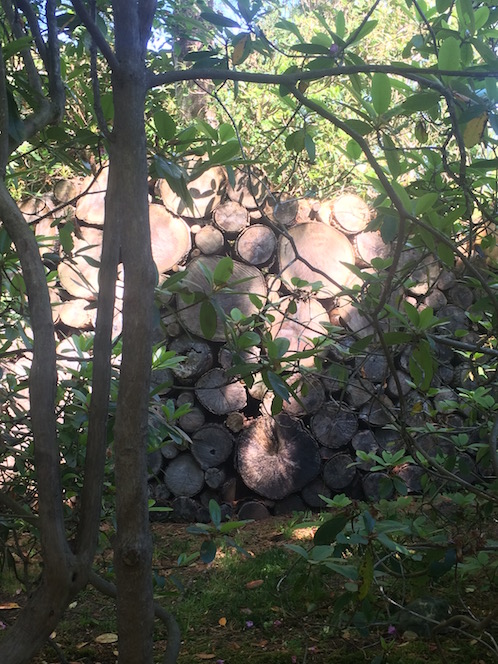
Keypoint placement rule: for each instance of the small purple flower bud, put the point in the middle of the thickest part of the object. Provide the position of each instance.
(334, 50)
(249, 624)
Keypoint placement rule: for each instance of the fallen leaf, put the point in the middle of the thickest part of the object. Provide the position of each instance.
(8, 606)
(261, 644)
(109, 637)
(250, 585)
(205, 655)
(222, 622)
(82, 645)
(246, 611)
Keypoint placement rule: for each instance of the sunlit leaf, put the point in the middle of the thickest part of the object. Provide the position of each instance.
(165, 124)
(107, 638)
(474, 130)
(449, 54)
(381, 92)
(219, 20)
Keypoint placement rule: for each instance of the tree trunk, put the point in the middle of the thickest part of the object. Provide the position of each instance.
(127, 199)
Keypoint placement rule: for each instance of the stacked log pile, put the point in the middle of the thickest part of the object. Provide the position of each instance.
(238, 452)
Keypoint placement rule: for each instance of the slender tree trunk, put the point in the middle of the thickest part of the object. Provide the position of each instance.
(129, 202)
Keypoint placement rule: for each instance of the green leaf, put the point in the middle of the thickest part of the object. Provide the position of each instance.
(389, 228)
(340, 24)
(449, 54)
(278, 385)
(327, 533)
(353, 149)
(208, 551)
(226, 152)
(392, 157)
(223, 271)
(396, 338)
(381, 92)
(366, 571)
(219, 20)
(365, 30)
(290, 27)
(412, 313)
(425, 202)
(359, 126)
(311, 49)
(295, 141)
(16, 46)
(277, 348)
(446, 254)
(310, 146)
(421, 101)
(215, 513)
(208, 320)
(465, 13)
(165, 125)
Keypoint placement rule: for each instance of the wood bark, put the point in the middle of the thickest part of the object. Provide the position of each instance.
(91, 207)
(339, 472)
(350, 213)
(209, 240)
(219, 393)
(277, 457)
(250, 188)
(170, 238)
(369, 245)
(212, 445)
(256, 245)
(334, 425)
(183, 476)
(282, 209)
(231, 218)
(198, 358)
(79, 274)
(324, 249)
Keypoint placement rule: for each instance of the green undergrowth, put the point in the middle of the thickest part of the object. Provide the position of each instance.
(270, 606)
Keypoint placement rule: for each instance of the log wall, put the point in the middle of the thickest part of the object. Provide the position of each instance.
(238, 453)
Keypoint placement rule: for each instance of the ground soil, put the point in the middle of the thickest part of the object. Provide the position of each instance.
(281, 634)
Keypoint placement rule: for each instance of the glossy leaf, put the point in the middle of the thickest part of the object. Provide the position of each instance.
(449, 54)
(208, 551)
(219, 20)
(164, 124)
(327, 533)
(223, 271)
(381, 92)
(208, 319)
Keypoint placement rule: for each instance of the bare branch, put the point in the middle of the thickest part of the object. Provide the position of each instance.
(18, 32)
(4, 120)
(34, 26)
(96, 34)
(146, 11)
(412, 73)
(56, 86)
